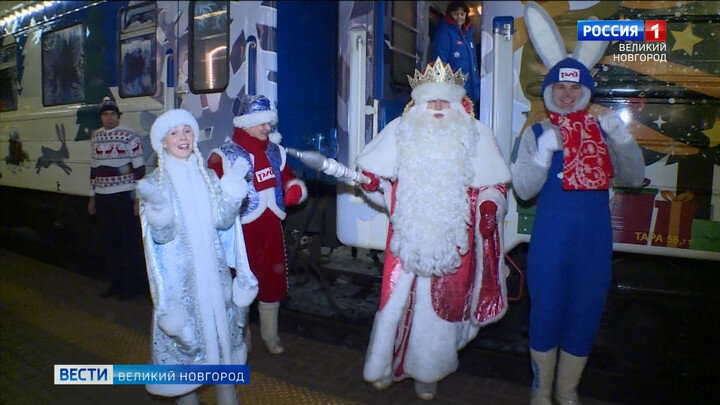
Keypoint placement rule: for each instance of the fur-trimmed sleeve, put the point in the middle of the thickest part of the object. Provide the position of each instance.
(528, 177)
(496, 194)
(380, 198)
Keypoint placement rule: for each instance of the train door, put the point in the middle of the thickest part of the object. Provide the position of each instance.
(379, 44)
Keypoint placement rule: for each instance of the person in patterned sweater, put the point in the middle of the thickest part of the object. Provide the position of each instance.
(116, 162)
(272, 187)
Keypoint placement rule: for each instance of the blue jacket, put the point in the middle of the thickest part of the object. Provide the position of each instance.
(450, 45)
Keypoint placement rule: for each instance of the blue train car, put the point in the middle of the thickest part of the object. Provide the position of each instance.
(337, 72)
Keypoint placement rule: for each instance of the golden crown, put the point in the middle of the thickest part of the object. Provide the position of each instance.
(438, 72)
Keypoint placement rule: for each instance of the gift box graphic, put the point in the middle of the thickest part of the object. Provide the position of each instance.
(705, 235)
(673, 225)
(631, 212)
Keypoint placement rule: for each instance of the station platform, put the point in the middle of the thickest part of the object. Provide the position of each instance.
(49, 315)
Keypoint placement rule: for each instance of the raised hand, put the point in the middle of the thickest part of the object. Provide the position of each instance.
(547, 143)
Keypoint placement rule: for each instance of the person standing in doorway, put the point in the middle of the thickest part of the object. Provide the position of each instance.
(453, 44)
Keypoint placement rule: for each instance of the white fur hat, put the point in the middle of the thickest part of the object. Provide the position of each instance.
(437, 91)
(169, 120)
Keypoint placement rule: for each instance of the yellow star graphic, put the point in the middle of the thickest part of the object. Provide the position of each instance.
(713, 134)
(685, 40)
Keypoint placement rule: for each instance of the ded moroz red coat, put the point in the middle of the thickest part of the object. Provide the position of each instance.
(423, 321)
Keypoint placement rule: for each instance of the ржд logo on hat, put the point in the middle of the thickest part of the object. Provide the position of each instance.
(569, 75)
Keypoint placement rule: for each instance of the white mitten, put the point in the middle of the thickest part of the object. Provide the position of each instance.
(547, 143)
(172, 321)
(243, 296)
(160, 213)
(149, 192)
(233, 183)
(615, 128)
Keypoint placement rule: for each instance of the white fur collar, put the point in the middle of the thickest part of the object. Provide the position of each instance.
(379, 156)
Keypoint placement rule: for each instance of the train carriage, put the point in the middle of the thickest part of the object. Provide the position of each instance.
(337, 72)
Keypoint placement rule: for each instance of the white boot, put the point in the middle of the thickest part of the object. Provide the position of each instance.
(269, 325)
(570, 369)
(383, 383)
(543, 367)
(424, 390)
(191, 398)
(226, 394)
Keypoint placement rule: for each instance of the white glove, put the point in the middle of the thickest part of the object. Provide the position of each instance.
(615, 128)
(160, 213)
(150, 193)
(547, 143)
(233, 183)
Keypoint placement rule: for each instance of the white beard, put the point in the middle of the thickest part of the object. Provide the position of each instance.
(432, 210)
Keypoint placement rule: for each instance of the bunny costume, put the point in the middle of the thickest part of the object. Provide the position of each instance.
(191, 236)
(568, 161)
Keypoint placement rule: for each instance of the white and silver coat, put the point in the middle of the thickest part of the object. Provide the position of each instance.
(181, 301)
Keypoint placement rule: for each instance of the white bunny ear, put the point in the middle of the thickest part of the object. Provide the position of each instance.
(544, 35)
(589, 52)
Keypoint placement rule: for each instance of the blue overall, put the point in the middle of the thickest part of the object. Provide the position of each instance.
(569, 264)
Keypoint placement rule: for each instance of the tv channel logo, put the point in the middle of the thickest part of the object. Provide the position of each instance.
(621, 30)
(83, 374)
(655, 30)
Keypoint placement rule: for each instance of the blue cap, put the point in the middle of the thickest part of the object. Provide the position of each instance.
(569, 70)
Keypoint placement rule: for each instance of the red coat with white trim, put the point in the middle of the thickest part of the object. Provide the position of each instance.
(422, 321)
(273, 186)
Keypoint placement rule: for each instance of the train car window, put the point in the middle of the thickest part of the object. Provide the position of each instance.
(63, 66)
(209, 42)
(8, 78)
(138, 68)
(404, 42)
